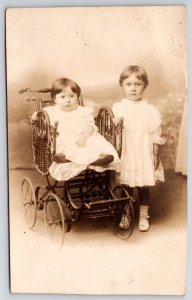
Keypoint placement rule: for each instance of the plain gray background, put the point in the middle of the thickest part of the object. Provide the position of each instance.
(4, 249)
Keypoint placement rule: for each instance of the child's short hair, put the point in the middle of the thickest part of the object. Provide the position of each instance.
(139, 72)
(62, 83)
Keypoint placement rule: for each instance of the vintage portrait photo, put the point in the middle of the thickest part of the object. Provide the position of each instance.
(97, 105)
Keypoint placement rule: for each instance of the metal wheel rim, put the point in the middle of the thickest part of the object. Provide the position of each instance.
(54, 220)
(123, 233)
(29, 202)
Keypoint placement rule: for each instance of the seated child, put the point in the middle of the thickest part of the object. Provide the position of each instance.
(78, 144)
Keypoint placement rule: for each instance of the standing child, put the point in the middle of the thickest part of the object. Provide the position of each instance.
(78, 144)
(181, 157)
(140, 163)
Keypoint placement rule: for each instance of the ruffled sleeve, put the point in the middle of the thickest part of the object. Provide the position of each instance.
(155, 118)
(155, 126)
(117, 110)
(156, 136)
(88, 118)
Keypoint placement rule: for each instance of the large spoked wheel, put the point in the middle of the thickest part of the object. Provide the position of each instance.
(54, 220)
(29, 202)
(126, 220)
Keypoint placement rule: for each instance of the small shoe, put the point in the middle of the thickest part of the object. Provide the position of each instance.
(125, 222)
(143, 224)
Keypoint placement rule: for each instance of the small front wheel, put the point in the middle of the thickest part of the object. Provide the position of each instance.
(29, 202)
(126, 222)
(54, 220)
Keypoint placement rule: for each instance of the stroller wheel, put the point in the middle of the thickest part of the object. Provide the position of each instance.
(55, 220)
(29, 202)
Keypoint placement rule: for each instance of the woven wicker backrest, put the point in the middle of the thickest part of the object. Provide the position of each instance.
(43, 142)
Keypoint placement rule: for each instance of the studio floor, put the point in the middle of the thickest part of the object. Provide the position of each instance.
(93, 260)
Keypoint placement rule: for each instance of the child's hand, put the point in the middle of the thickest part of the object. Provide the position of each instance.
(84, 136)
(34, 116)
(116, 120)
(156, 161)
(81, 141)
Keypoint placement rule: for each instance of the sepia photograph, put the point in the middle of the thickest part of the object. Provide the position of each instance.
(97, 117)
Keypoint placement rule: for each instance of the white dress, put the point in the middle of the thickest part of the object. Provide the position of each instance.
(181, 158)
(71, 124)
(141, 129)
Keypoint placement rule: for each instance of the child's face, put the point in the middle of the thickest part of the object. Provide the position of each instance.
(67, 100)
(133, 87)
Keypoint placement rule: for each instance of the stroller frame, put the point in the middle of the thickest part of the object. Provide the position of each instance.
(89, 195)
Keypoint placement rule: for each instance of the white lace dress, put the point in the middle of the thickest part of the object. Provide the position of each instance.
(71, 125)
(141, 129)
(181, 158)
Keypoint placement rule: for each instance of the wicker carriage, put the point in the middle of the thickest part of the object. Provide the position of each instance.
(90, 195)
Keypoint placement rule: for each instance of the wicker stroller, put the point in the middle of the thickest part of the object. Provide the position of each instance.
(90, 195)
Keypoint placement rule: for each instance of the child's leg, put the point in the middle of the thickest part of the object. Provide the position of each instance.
(125, 221)
(104, 159)
(60, 158)
(144, 197)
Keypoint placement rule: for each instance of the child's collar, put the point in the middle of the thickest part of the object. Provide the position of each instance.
(125, 100)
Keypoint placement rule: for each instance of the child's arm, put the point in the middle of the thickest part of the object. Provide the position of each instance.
(34, 116)
(89, 126)
(116, 120)
(84, 136)
(156, 155)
